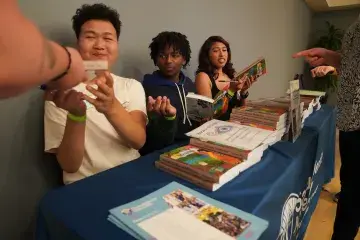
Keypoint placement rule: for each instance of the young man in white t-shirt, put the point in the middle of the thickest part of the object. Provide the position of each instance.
(88, 140)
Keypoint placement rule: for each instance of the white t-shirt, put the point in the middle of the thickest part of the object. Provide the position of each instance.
(104, 148)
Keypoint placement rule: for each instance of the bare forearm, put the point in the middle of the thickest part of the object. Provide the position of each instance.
(71, 150)
(28, 59)
(130, 130)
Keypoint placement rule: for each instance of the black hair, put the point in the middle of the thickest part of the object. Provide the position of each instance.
(175, 40)
(204, 60)
(98, 11)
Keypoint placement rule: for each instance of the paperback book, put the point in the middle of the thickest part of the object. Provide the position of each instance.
(211, 166)
(231, 134)
(199, 107)
(208, 169)
(254, 70)
(177, 212)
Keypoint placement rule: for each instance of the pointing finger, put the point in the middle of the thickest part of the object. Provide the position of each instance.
(302, 53)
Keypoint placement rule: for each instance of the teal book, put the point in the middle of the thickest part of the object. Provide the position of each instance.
(176, 212)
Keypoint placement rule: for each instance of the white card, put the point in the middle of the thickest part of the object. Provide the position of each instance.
(96, 65)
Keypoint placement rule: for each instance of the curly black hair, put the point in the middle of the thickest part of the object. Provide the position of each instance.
(204, 60)
(175, 40)
(98, 11)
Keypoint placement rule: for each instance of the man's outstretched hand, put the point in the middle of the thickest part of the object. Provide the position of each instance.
(314, 56)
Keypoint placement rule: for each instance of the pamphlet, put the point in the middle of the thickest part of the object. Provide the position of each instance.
(176, 212)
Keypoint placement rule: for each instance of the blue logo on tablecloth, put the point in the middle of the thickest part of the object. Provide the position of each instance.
(296, 207)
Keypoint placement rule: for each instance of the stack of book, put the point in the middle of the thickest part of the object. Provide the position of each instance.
(177, 212)
(218, 152)
(269, 114)
(206, 169)
(311, 101)
(265, 117)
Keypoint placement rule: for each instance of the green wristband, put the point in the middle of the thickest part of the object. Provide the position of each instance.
(231, 93)
(75, 118)
(170, 118)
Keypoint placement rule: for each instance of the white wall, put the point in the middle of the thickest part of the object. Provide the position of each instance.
(272, 28)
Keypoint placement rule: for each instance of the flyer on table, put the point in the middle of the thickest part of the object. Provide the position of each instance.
(177, 212)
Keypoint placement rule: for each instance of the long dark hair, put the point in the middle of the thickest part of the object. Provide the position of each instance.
(204, 60)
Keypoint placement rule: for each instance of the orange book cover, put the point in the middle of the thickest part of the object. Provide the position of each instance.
(209, 163)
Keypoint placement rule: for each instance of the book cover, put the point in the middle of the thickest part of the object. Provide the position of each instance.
(230, 134)
(220, 148)
(199, 107)
(212, 166)
(186, 175)
(254, 70)
(177, 212)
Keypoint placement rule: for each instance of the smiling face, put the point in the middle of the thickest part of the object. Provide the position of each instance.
(218, 55)
(98, 41)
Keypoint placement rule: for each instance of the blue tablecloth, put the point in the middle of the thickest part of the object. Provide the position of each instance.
(282, 188)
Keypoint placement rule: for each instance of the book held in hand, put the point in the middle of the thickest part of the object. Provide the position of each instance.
(177, 212)
(199, 107)
(254, 70)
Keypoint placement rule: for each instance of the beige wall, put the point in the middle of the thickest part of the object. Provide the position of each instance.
(274, 29)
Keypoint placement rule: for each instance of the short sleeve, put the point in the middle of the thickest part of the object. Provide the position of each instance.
(137, 98)
(54, 126)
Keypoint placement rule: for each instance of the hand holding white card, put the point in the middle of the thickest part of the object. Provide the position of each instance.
(82, 88)
(105, 99)
(91, 67)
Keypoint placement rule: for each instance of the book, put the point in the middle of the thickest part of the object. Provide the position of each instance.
(185, 175)
(203, 163)
(177, 212)
(254, 70)
(295, 112)
(199, 107)
(247, 155)
(230, 134)
(312, 93)
(268, 113)
(211, 166)
(264, 117)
